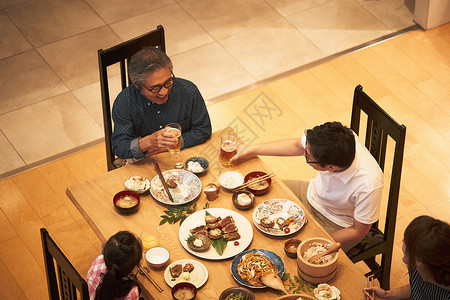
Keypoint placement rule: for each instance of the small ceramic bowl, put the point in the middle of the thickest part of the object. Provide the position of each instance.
(247, 294)
(290, 247)
(211, 191)
(243, 202)
(179, 287)
(137, 184)
(157, 256)
(126, 202)
(295, 297)
(198, 169)
(258, 188)
(231, 179)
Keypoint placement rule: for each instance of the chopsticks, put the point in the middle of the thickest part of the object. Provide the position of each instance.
(370, 283)
(164, 183)
(144, 270)
(253, 181)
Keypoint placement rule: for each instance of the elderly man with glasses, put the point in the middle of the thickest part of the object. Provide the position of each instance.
(345, 195)
(154, 99)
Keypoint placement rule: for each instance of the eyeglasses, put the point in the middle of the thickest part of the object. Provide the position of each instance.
(307, 156)
(156, 88)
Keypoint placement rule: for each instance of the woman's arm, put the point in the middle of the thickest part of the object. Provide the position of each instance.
(376, 293)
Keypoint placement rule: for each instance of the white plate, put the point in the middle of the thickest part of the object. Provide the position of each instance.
(198, 218)
(276, 208)
(231, 179)
(188, 187)
(336, 291)
(198, 277)
(137, 184)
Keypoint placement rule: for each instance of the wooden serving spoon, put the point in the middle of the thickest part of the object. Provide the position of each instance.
(274, 281)
(332, 249)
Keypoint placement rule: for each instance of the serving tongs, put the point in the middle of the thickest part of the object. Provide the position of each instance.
(145, 271)
(164, 183)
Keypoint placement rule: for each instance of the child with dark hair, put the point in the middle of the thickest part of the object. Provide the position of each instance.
(426, 245)
(113, 273)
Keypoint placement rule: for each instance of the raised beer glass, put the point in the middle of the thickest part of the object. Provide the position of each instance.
(175, 130)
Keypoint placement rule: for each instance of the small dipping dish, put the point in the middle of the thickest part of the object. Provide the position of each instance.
(157, 256)
(243, 200)
(184, 291)
(211, 191)
(290, 247)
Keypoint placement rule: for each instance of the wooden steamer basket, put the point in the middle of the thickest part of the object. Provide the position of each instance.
(316, 273)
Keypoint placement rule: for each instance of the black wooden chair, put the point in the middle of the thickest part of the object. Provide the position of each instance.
(121, 54)
(380, 126)
(71, 284)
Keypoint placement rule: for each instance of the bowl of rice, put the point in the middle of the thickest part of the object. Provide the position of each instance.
(197, 165)
(322, 269)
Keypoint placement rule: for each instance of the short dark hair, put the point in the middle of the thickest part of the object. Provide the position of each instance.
(332, 143)
(122, 253)
(427, 240)
(145, 62)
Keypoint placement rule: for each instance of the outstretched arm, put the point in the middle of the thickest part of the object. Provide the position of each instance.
(287, 147)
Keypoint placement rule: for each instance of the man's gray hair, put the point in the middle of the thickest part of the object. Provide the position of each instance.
(145, 62)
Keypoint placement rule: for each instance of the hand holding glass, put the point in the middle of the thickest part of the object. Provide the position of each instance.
(174, 129)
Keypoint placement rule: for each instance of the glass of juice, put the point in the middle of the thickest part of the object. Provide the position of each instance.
(149, 238)
(175, 130)
(227, 148)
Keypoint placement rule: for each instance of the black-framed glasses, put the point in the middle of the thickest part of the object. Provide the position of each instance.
(156, 88)
(307, 156)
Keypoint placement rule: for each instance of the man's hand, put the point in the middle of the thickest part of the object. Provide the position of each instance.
(157, 142)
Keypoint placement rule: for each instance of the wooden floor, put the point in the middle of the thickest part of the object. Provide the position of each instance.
(409, 76)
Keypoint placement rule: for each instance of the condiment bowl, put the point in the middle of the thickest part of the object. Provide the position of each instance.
(203, 162)
(211, 191)
(260, 189)
(122, 201)
(312, 272)
(237, 201)
(184, 286)
(246, 293)
(290, 247)
(157, 256)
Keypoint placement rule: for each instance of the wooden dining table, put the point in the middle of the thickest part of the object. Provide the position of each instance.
(94, 199)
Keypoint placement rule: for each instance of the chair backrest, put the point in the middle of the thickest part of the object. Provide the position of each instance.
(380, 125)
(68, 279)
(121, 54)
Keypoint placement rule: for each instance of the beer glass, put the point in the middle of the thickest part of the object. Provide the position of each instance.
(175, 130)
(227, 148)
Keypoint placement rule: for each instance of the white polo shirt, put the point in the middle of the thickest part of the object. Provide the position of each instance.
(352, 193)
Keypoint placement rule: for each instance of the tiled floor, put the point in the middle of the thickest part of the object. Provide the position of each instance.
(50, 96)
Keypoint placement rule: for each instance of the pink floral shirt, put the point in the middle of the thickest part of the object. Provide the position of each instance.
(95, 275)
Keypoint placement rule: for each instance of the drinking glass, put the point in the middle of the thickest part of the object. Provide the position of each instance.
(175, 130)
(227, 148)
(149, 238)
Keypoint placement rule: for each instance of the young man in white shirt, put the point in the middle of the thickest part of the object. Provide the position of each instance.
(345, 195)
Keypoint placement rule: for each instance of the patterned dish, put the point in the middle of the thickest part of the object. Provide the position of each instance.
(188, 187)
(279, 208)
